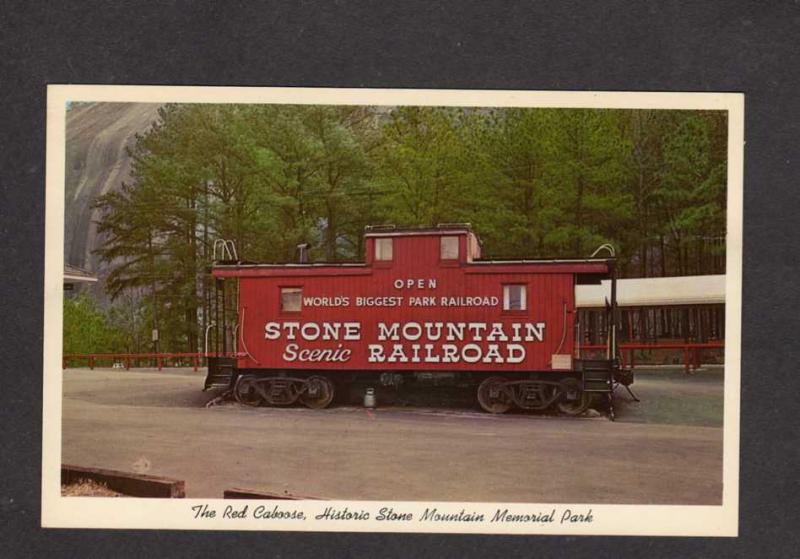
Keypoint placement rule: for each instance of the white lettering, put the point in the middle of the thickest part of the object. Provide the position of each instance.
(492, 354)
(534, 332)
(290, 328)
(450, 352)
(310, 331)
(272, 331)
(497, 334)
(412, 331)
(476, 328)
(375, 353)
(292, 352)
(414, 283)
(471, 353)
(330, 330)
(385, 333)
(398, 355)
(455, 331)
(432, 334)
(516, 353)
(352, 331)
(429, 355)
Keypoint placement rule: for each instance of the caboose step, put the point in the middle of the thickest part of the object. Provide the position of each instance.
(596, 364)
(597, 375)
(597, 382)
(218, 382)
(220, 372)
(220, 379)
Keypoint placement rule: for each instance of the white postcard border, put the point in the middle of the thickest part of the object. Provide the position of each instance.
(656, 520)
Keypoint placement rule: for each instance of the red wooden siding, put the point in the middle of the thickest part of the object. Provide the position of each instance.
(550, 287)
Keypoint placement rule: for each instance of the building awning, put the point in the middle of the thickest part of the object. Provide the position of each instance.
(73, 274)
(651, 292)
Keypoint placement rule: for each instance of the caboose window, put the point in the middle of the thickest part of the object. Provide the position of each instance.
(291, 299)
(383, 249)
(515, 297)
(449, 248)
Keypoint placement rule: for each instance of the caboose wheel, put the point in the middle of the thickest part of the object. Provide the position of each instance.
(248, 392)
(318, 393)
(574, 401)
(493, 396)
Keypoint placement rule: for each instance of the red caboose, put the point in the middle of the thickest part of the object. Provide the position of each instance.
(422, 305)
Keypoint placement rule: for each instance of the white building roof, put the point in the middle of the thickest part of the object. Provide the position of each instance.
(73, 274)
(641, 292)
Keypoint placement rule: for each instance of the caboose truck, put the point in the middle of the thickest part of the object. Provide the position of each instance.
(422, 308)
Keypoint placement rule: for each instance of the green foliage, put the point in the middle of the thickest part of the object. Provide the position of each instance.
(131, 315)
(88, 328)
(533, 182)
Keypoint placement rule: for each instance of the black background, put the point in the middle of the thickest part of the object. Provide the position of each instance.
(606, 46)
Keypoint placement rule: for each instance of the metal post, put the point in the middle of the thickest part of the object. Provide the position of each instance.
(209, 326)
(216, 316)
(224, 323)
(613, 325)
(156, 334)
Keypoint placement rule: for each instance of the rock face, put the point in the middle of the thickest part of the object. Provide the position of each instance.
(97, 135)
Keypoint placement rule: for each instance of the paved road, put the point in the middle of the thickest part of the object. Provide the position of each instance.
(156, 421)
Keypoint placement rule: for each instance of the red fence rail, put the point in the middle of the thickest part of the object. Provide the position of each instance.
(691, 351)
(129, 360)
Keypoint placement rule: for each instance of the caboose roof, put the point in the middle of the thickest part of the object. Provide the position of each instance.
(395, 231)
(583, 266)
(588, 266)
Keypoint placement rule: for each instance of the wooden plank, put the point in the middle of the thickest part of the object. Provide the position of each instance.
(238, 493)
(133, 485)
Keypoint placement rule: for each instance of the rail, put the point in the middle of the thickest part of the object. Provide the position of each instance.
(134, 360)
(691, 351)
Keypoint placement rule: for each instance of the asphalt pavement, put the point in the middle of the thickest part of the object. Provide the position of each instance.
(666, 449)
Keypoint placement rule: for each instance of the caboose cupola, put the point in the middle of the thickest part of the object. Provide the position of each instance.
(449, 244)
